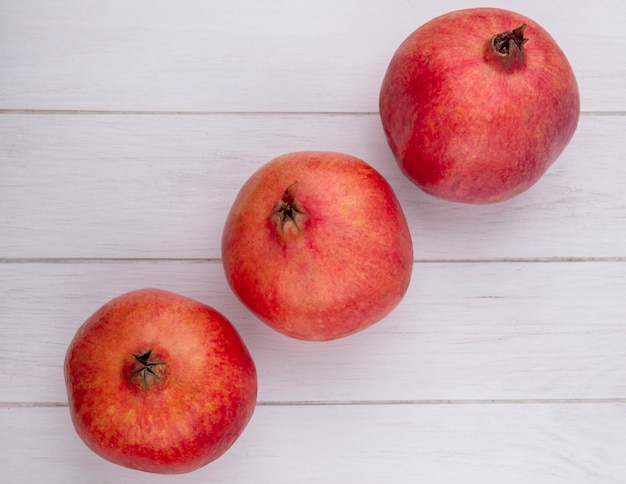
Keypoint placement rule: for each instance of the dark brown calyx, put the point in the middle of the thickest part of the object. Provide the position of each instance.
(509, 43)
(146, 371)
(288, 210)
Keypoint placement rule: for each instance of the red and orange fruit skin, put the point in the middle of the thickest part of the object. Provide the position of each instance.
(468, 125)
(186, 410)
(339, 264)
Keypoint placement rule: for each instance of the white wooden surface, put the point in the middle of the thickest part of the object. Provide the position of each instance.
(126, 130)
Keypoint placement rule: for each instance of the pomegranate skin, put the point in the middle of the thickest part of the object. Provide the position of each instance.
(338, 260)
(468, 125)
(159, 382)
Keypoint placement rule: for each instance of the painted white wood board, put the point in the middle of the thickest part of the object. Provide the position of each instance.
(267, 55)
(464, 331)
(158, 186)
(369, 444)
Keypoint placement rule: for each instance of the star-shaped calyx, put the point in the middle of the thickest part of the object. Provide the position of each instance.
(145, 371)
(288, 209)
(509, 43)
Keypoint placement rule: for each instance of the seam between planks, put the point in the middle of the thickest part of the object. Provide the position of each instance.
(223, 113)
(340, 403)
(125, 260)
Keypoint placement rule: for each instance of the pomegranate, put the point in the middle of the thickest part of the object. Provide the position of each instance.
(316, 245)
(477, 104)
(159, 382)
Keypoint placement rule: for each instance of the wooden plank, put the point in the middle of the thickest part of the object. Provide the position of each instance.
(491, 444)
(266, 55)
(119, 186)
(464, 331)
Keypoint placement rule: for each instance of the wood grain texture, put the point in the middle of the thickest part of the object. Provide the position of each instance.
(369, 444)
(126, 130)
(268, 55)
(124, 186)
(464, 331)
